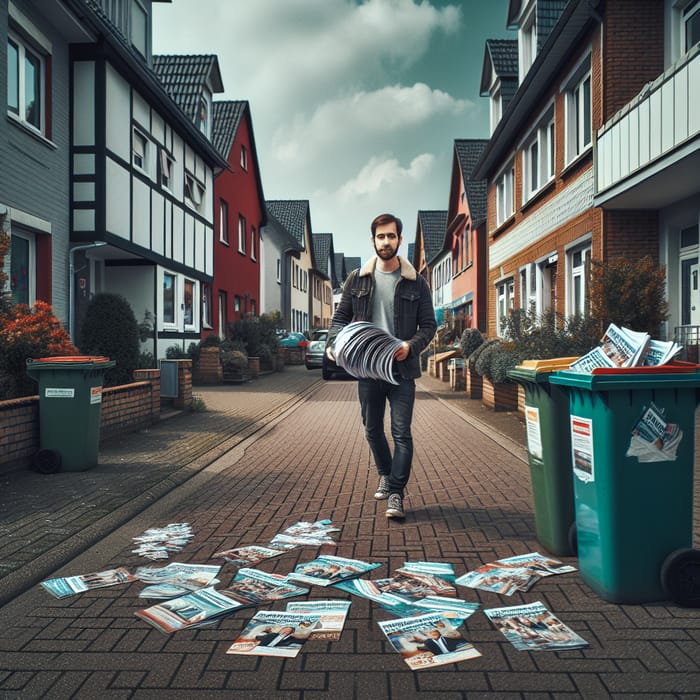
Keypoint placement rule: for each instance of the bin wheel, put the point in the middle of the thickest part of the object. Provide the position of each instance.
(572, 539)
(680, 577)
(47, 461)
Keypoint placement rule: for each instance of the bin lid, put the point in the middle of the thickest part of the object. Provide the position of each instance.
(671, 376)
(75, 361)
(539, 370)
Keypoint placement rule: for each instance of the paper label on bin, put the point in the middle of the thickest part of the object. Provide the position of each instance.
(582, 448)
(95, 394)
(59, 393)
(534, 437)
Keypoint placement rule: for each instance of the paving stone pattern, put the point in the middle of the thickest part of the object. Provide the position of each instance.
(469, 501)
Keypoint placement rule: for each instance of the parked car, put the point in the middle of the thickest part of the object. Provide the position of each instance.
(316, 349)
(291, 339)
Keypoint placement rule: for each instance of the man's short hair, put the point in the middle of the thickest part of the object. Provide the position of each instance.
(387, 219)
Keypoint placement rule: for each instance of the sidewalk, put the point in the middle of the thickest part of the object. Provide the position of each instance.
(469, 502)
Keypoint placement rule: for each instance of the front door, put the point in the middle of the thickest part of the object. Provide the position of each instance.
(694, 288)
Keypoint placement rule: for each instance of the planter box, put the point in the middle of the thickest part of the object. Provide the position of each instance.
(457, 378)
(254, 367)
(209, 366)
(500, 397)
(237, 376)
(474, 382)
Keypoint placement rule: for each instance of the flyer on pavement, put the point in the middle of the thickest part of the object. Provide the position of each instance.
(175, 579)
(326, 570)
(247, 555)
(332, 615)
(70, 585)
(252, 587)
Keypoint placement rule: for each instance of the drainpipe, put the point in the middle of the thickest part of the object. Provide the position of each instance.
(71, 284)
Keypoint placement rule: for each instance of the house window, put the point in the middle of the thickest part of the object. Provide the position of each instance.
(26, 75)
(578, 264)
(279, 271)
(203, 116)
(22, 266)
(139, 28)
(244, 158)
(527, 43)
(168, 298)
(223, 222)
(252, 307)
(496, 108)
(223, 314)
(237, 304)
(577, 95)
(538, 156)
(504, 303)
(253, 244)
(691, 25)
(166, 169)
(504, 195)
(194, 191)
(140, 150)
(241, 234)
(188, 306)
(206, 306)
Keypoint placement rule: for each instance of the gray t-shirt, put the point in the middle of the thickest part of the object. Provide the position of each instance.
(383, 300)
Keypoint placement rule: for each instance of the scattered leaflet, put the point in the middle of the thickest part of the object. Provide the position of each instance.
(427, 641)
(660, 352)
(274, 633)
(537, 563)
(253, 587)
(415, 580)
(366, 351)
(332, 616)
(247, 556)
(191, 610)
(304, 534)
(327, 570)
(532, 627)
(160, 542)
(70, 585)
(505, 580)
(175, 579)
(653, 439)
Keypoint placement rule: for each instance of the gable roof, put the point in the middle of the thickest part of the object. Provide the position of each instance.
(352, 264)
(432, 223)
(547, 13)
(323, 249)
(293, 215)
(468, 152)
(501, 58)
(184, 78)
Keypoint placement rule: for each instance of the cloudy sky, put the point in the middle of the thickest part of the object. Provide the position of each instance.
(355, 105)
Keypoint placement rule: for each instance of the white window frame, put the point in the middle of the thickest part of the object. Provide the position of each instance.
(194, 191)
(192, 306)
(166, 169)
(222, 301)
(691, 11)
(223, 222)
(538, 156)
(253, 244)
(140, 151)
(505, 296)
(30, 239)
(138, 41)
(496, 106)
(527, 42)
(24, 49)
(576, 276)
(244, 157)
(206, 305)
(505, 194)
(170, 324)
(241, 233)
(578, 118)
(279, 271)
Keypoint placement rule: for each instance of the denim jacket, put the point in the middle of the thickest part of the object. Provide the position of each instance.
(414, 317)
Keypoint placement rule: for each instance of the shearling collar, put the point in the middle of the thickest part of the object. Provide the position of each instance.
(407, 270)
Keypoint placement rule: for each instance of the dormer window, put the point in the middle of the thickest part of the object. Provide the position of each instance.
(139, 27)
(527, 42)
(203, 116)
(496, 107)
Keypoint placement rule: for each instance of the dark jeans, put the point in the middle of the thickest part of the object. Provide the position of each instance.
(373, 395)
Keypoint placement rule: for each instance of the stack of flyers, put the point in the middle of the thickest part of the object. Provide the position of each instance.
(427, 641)
(191, 610)
(538, 564)
(160, 542)
(175, 579)
(532, 627)
(247, 556)
(70, 585)
(274, 633)
(305, 534)
(499, 579)
(252, 587)
(327, 570)
(332, 615)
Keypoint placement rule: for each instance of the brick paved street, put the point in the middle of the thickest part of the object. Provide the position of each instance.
(469, 502)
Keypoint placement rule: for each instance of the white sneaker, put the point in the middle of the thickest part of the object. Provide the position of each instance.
(394, 506)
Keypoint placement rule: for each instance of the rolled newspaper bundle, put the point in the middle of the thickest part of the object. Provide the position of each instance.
(366, 351)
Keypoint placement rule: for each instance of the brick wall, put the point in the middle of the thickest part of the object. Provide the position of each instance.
(124, 409)
(631, 234)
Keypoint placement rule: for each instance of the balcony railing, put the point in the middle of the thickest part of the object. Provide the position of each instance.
(659, 128)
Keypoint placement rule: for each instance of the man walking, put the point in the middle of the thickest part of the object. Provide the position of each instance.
(388, 292)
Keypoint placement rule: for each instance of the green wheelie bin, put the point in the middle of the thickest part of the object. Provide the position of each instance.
(632, 445)
(549, 453)
(70, 402)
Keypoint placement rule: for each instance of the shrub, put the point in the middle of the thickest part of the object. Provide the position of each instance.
(146, 361)
(211, 341)
(28, 333)
(110, 328)
(254, 333)
(233, 360)
(471, 339)
(629, 293)
(474, 355)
